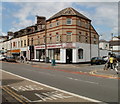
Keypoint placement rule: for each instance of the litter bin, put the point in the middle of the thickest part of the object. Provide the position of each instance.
(53, 62)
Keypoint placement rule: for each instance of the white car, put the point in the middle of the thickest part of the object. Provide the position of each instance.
(2, 57)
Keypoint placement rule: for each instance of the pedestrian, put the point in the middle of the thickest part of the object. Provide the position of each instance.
(22, 59)
(111, 61)
(115, 64)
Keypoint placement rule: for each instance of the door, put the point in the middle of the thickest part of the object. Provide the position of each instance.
(68, 56)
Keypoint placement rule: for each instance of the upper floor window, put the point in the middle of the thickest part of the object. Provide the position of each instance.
(50, 24)
(86, 38)
(25, 43)
(50, 38)
(38, 40)
(57, 22)
(32, 41)
(57, 37)
(69, 33)
(79, 36)
(69, 21)
(21, 43)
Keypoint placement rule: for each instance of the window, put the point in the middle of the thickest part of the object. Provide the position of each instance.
(25, 43)
(57, 22)
(69, 33)
(69, 36)
(57, 37)
(50, 24)
(50, 38)
(21, 43)
(86, 25)
(32, 41)
(57, 54)
(80, 53)
(86, 38)
(28, 42)
(69, 21)
(38, 40)
(79, 36)
(18, 43)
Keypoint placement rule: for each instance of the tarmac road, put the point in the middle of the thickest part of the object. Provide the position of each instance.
(98, 88)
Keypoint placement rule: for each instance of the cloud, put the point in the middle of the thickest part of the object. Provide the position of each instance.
(60, 0)
(26, 15)
(104, 15)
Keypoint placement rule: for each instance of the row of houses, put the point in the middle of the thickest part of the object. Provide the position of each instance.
(68, 37)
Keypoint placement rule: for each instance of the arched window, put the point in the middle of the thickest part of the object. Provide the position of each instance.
(80, 53)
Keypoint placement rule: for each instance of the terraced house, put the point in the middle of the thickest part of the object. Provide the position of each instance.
(68, 37)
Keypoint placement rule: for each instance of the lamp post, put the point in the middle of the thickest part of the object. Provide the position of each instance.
(99, 46)
(112, 41)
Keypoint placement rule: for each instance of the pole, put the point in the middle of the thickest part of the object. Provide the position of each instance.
(112, 41)
(45, 41)
(90, 39)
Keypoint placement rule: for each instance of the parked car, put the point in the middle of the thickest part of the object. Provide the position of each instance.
(118, 57)
(105, 58)
(2, 57)
(97, 60)
(10, 59)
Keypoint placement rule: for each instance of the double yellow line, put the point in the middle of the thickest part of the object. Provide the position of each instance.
(15, 95)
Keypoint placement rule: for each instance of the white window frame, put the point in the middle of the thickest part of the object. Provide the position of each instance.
(67, 21)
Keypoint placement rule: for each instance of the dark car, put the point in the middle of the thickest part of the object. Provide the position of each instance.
(118, 57)
(97, 60)
(10, 59)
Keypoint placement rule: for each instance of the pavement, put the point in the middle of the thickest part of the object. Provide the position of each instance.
(95, 70)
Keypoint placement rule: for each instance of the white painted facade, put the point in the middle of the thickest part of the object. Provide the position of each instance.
(75, 47)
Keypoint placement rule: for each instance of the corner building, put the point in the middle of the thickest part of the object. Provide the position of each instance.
(69, 37)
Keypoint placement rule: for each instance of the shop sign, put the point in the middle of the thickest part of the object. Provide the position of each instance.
(68, 45)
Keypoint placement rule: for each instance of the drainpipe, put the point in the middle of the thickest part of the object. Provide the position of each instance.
(90, 40)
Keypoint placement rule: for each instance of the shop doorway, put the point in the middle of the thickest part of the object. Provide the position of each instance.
(68, 56)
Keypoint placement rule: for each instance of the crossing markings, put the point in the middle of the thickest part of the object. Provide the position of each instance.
(51, 94)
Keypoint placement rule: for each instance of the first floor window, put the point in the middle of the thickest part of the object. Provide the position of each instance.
(69, 21)
(80, 53)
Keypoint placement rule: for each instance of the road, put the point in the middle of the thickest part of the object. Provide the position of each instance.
(98, 88)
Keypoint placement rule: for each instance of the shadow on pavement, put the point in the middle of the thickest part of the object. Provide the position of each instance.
(10, 81)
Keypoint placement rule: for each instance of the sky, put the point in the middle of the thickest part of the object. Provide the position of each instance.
(16, 15)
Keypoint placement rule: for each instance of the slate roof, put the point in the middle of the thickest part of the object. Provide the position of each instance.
(68, 12)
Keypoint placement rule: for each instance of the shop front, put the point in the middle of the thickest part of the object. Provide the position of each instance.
(15, 53)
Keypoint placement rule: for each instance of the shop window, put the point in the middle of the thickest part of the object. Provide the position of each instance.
(80, 53)
(57, 54)
(69, 21)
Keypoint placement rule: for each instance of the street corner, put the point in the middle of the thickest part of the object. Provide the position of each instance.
(105, 73)
(25, 90)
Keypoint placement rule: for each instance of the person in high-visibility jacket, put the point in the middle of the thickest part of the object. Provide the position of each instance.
(111, 60)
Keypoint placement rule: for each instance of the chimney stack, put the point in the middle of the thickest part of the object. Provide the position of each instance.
(41, 20)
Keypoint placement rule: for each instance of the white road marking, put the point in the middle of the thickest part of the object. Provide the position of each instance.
(82, 80)
(82, 97)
